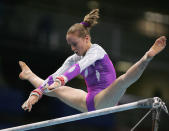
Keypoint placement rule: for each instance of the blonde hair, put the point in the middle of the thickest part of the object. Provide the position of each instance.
(84, 27)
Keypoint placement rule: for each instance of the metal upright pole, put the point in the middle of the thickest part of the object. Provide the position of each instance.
(156, 119)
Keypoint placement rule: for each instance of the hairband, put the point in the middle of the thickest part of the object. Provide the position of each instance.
(85, 24)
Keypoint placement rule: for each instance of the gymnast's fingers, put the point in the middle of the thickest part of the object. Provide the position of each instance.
(29, 106)
(25, 105)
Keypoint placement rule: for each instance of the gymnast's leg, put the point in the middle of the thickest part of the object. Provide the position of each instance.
(111, 95)
(27, 74)
(75, 98)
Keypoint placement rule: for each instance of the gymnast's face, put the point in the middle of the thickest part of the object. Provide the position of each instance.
(78, 44)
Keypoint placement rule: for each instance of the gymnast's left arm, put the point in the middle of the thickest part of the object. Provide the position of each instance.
(54, 81)
(90, 57)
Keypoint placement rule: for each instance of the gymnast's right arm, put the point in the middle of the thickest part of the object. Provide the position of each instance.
(51, 79)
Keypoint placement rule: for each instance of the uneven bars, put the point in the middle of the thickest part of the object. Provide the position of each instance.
(146, 103)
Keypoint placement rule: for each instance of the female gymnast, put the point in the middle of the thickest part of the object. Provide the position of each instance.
(93, 63)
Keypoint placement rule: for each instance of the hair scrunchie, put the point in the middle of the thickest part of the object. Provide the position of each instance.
(86, 24)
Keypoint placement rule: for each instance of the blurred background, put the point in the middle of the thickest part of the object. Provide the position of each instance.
(34, 31)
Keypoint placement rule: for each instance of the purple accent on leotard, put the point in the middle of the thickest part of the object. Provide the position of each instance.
(90, 101)
(41, 87)
(99, 76)
(72, 72)
(50, 81)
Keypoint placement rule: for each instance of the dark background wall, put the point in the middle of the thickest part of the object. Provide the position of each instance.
(34, 32)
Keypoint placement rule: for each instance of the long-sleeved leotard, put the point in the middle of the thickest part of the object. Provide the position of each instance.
(96, 68)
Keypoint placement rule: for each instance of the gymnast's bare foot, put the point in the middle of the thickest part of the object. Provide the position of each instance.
(26, 72)
(157, 47)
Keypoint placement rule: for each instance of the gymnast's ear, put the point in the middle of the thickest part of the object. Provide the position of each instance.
(87, 37)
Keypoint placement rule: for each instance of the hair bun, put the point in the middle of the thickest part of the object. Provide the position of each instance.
(91, 18)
